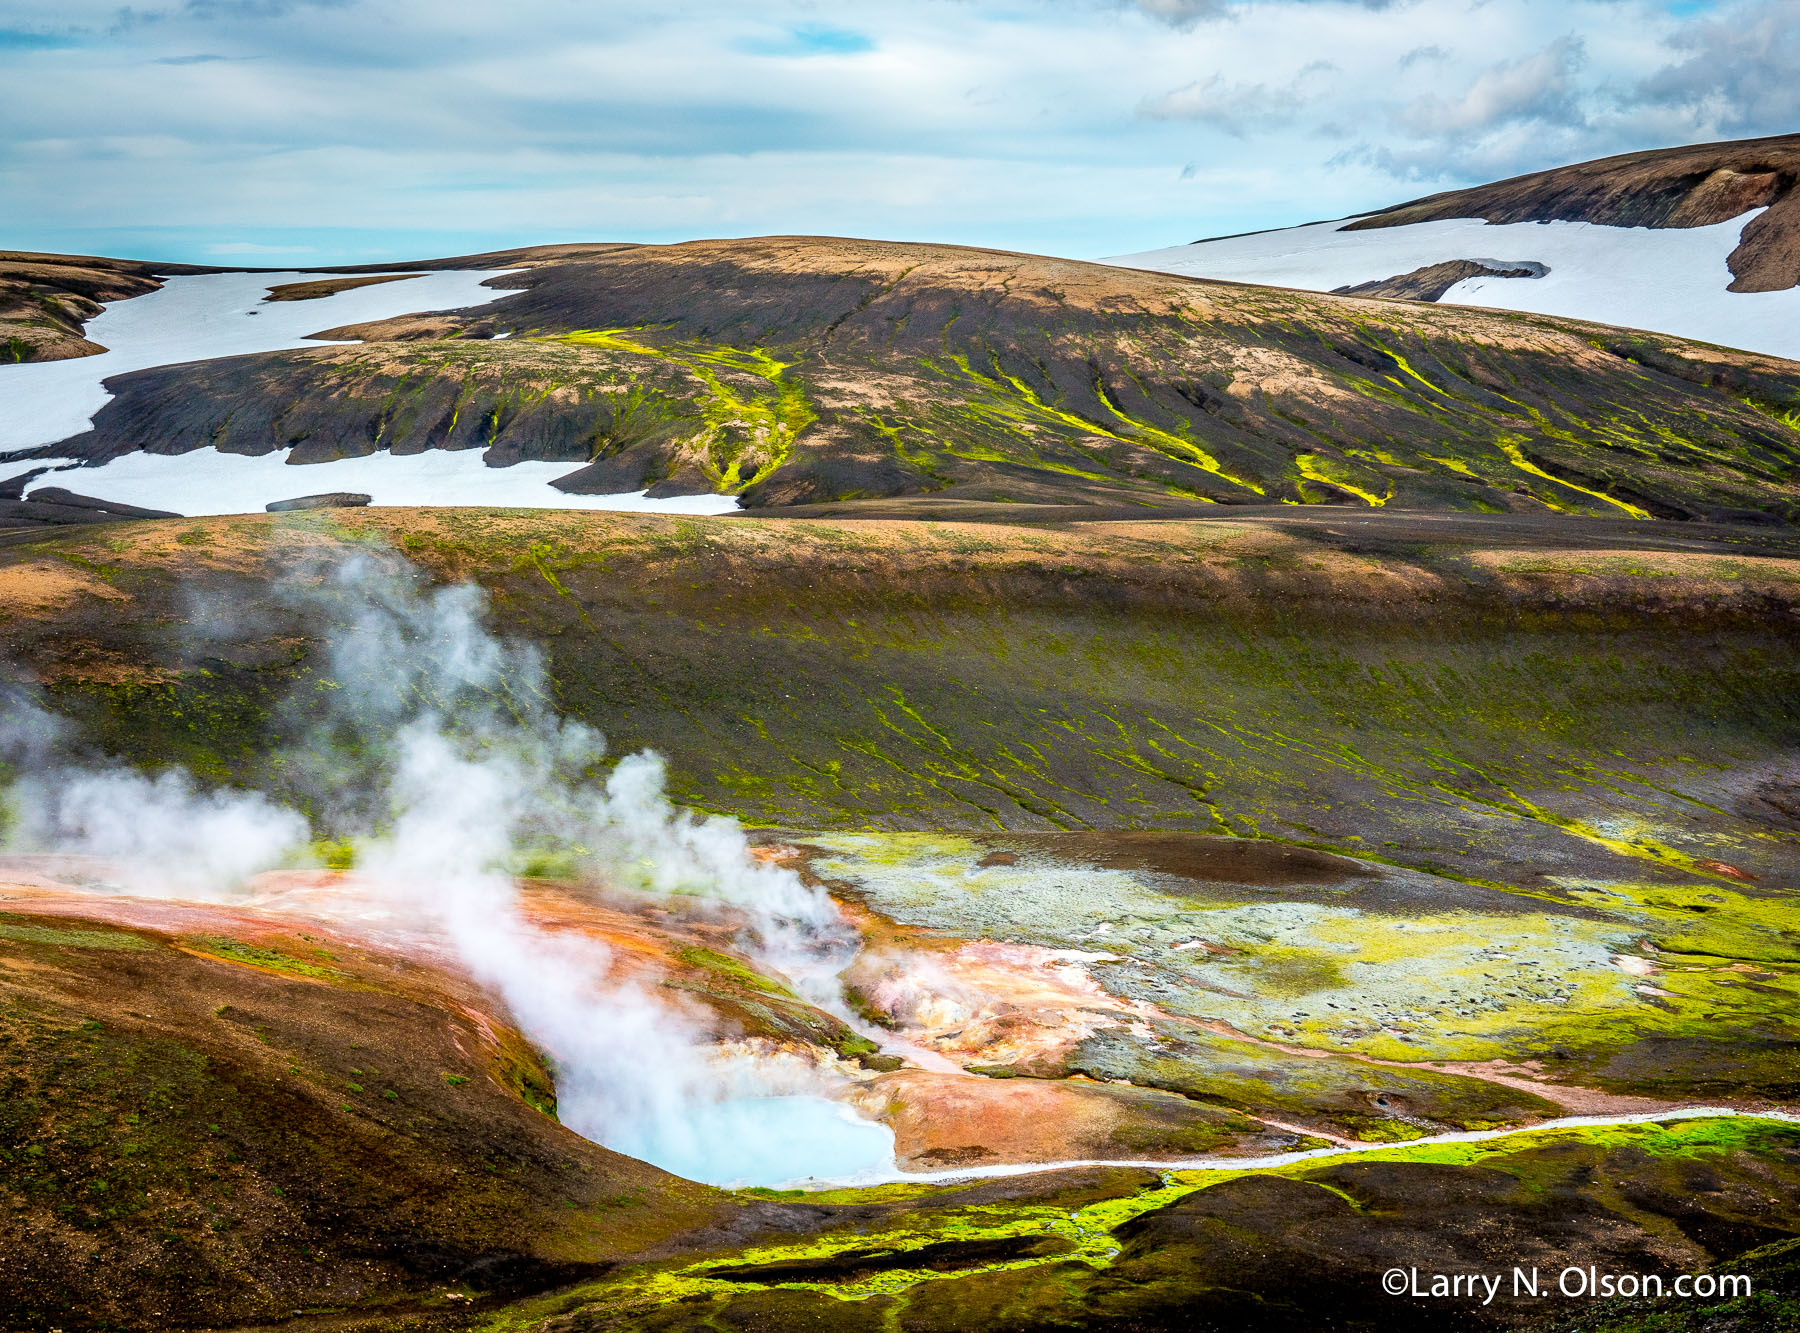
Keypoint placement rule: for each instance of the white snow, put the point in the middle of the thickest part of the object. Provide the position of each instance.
(1671, 280)
(196, 318)
(200, 317)
(205, 481)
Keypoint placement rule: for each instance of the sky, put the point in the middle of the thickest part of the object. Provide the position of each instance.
(287, 133)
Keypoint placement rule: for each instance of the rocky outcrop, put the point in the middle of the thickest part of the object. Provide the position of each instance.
(326, 500)
(323, 287)
(52, 506)
(1431, 282)
(804, 370)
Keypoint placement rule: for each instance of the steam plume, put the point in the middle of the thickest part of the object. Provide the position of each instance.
(434, 743)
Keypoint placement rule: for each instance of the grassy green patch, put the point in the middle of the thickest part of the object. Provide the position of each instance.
(25, 932)
(260, 956)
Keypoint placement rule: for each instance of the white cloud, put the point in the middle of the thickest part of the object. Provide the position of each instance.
(1238, 108)
(1539, 87)
(1739, 75)
(409, 126)
(1182, 13)
(1235, 108)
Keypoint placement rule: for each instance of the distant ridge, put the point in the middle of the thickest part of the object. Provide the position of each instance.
(1696, 186)
(1702, 242)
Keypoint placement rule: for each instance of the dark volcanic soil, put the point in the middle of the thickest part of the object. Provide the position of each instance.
(1431, 282)
(1544, 710)
(313, 291)
(229, 1122)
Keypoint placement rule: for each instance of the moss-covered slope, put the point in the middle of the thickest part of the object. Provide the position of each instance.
(1469, 698)
(795, 370)
(208, 1128)
(1299, 1247)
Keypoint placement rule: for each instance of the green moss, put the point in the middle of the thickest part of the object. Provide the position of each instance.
(23, 930)
(1290, 973)
(732, 969)
(752, 412)
(333, 853)
(262, 957)
(875, 1261)
(1317, 467)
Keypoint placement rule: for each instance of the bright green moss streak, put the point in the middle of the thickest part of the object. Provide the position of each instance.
(1316, 467)
(748, 434)
(1517, 458)
(1641, 845)
(1021, 405)
(1089, 1229)
(925, 460)
(23, 932)
(732, 969)
(1442, 985)
(1407, 369)
(1176, 446)
(269, 960)
(1707, 921)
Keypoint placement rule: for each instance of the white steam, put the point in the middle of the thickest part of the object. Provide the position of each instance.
(436, 745)
(161, 836)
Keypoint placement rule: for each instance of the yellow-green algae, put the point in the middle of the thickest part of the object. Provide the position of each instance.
(1317, 467)
(25, 931)
(1632, 961)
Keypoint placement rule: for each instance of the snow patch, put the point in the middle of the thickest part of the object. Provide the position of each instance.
(198, 318)
(205, 481)
(1671, 280)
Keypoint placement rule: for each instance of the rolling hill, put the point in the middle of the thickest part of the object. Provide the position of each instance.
(795, 371)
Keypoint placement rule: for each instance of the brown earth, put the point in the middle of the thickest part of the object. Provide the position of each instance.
(944, 1121)
(232, 1117)
(1694, 186)
(733, 647)
(312, 291)
(46, 299)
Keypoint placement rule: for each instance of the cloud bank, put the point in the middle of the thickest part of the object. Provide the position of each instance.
(353, 129)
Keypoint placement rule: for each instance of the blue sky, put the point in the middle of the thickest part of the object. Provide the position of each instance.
(294, 132)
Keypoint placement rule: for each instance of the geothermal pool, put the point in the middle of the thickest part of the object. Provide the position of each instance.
(761, 1141)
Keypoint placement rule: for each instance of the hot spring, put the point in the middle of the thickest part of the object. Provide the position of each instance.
(436, 755)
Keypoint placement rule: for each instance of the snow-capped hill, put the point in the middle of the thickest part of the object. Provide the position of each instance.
(1699, 242)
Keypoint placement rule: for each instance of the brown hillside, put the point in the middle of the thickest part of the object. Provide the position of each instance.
(798, 370)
